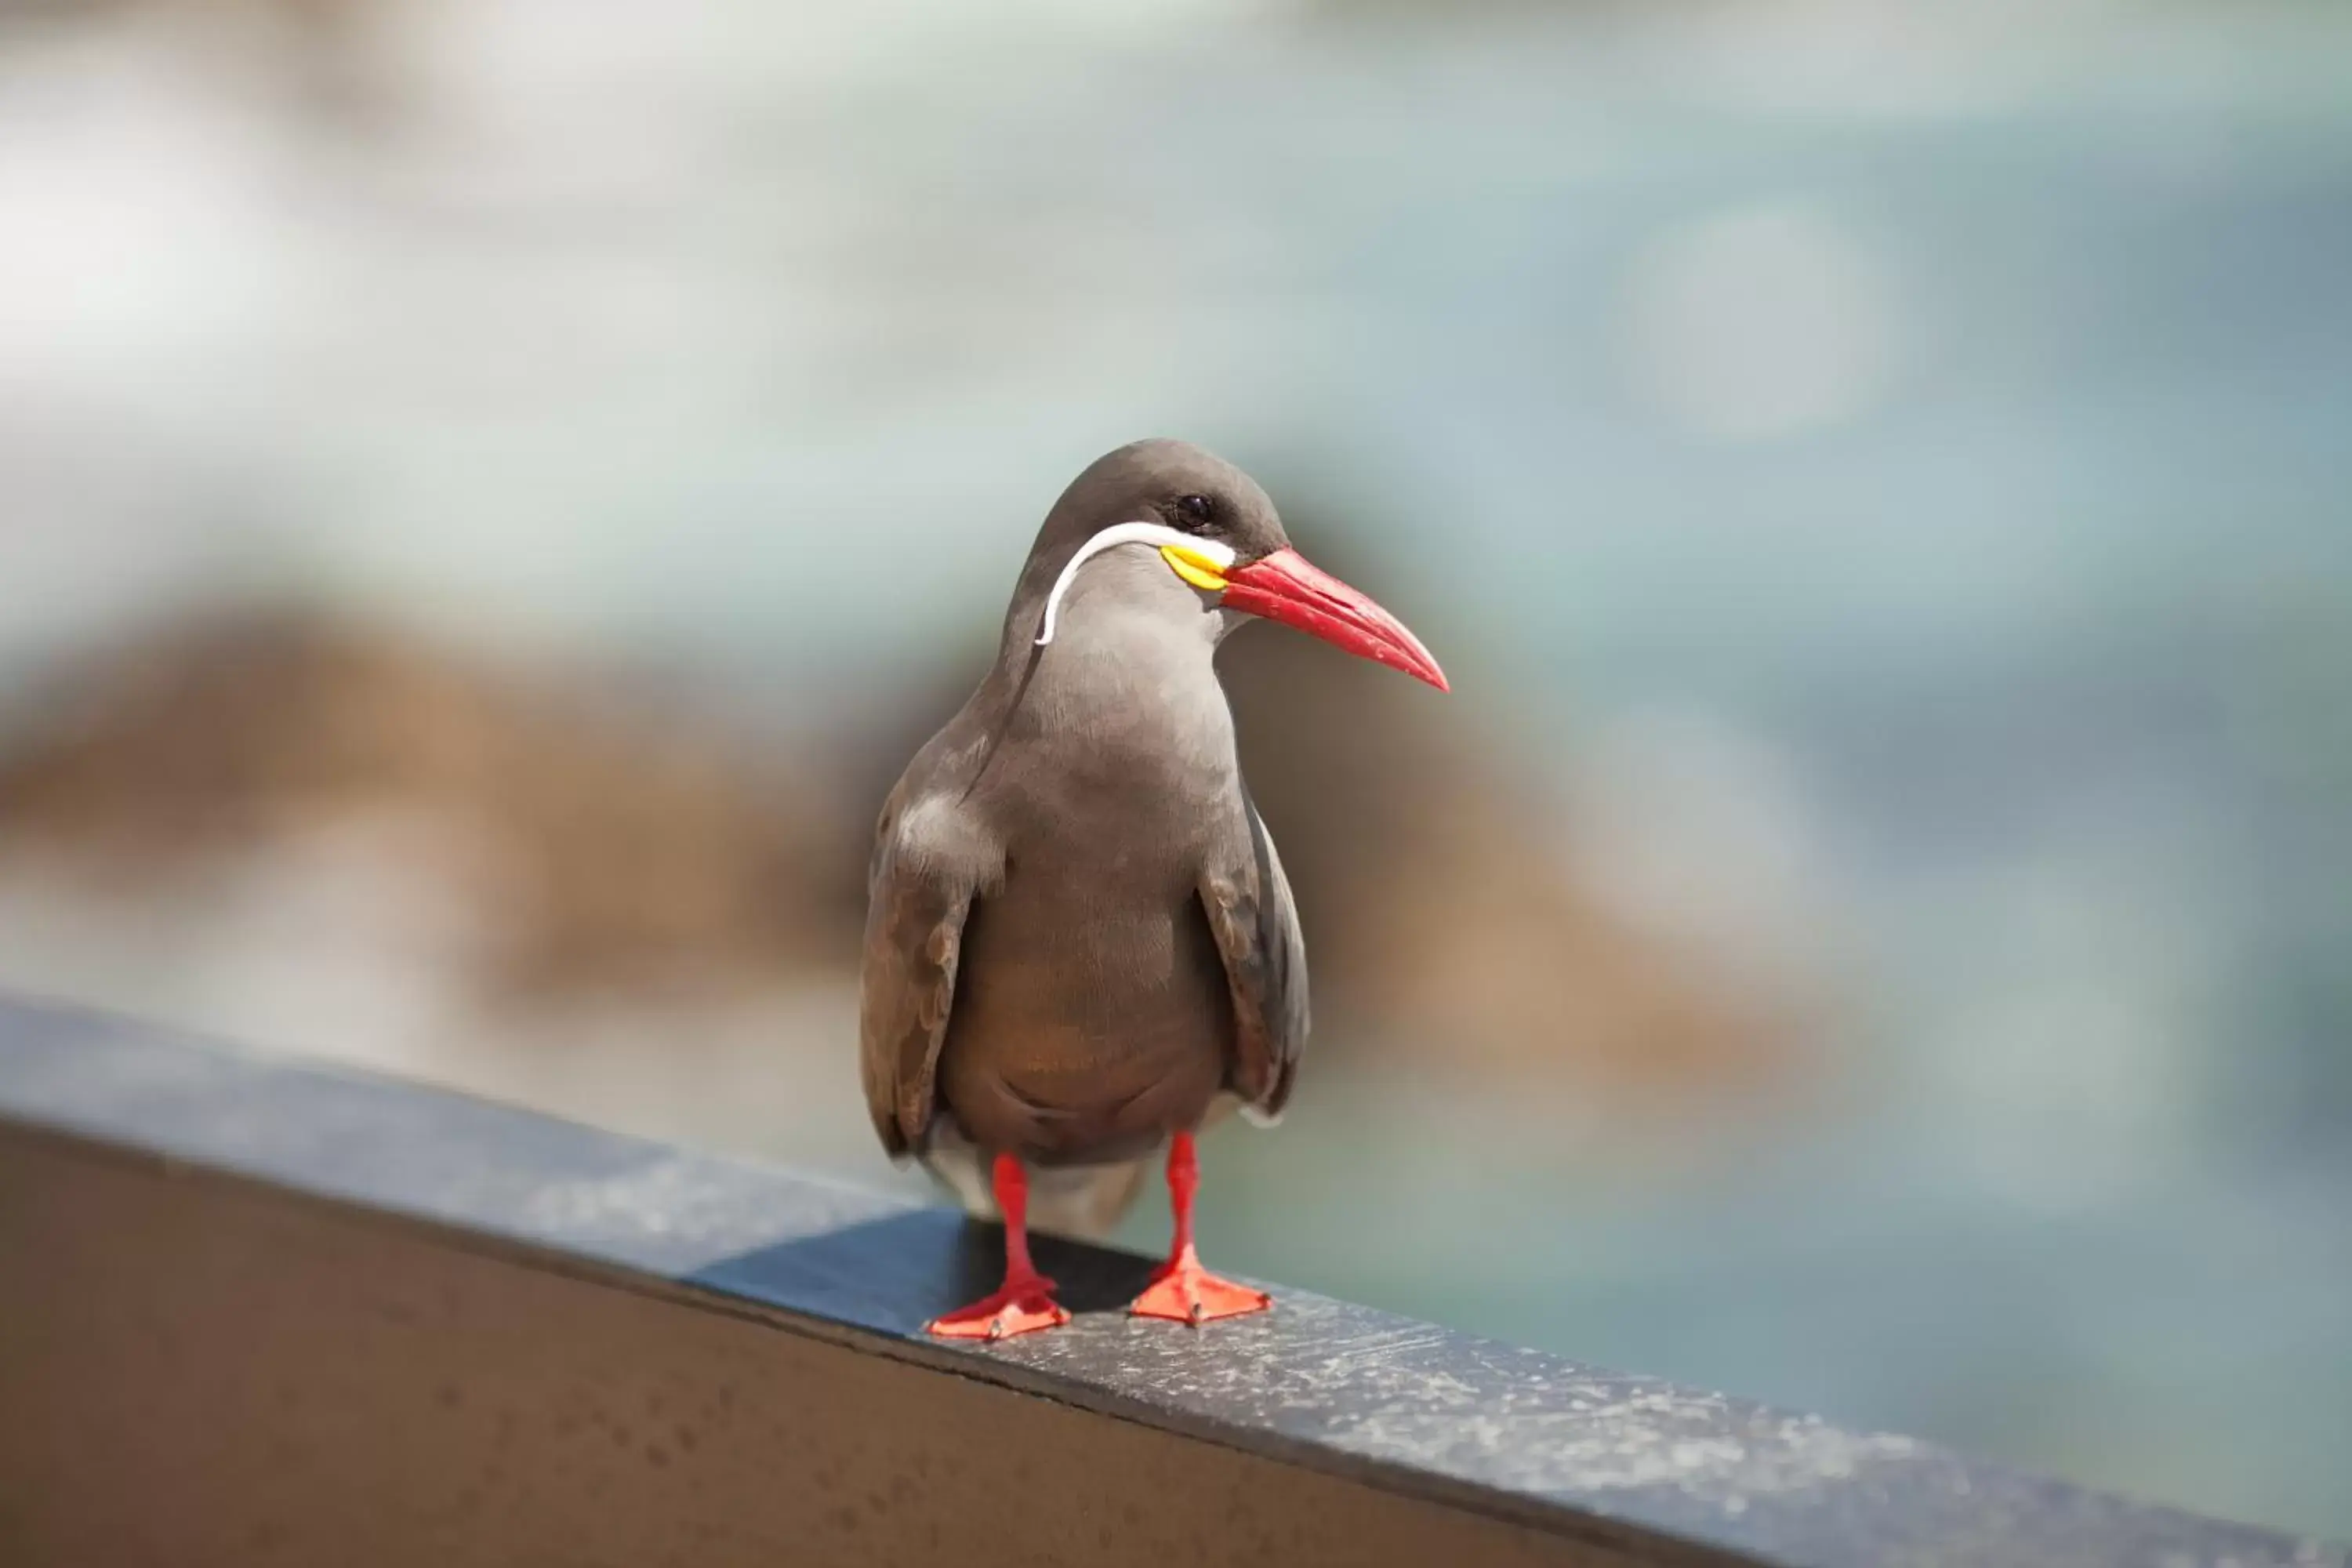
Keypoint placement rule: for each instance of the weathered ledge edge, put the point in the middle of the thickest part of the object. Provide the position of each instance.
(1627, 1461)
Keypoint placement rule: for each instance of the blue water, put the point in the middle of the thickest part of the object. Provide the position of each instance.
(1931, 451)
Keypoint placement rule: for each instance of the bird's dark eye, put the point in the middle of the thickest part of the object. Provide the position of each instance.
(1195, 509)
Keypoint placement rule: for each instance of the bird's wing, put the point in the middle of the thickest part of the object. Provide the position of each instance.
(917, 903)
(1248, 902)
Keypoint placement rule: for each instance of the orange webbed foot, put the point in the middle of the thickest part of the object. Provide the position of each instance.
(1025, 1305)
(1184, 1292)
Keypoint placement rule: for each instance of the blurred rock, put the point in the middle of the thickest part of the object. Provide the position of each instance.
(608, 846)
(1443, 915)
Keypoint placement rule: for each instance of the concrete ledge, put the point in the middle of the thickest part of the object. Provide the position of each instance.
(256, 1313)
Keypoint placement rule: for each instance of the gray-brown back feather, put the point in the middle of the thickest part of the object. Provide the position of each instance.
(1247, 900)
(928, 866)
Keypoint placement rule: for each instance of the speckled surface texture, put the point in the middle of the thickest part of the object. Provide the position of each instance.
(1613, 1466)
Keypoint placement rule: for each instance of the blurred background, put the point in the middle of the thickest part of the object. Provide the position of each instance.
(491, 491)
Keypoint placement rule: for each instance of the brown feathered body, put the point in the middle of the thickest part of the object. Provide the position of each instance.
(1079, 940)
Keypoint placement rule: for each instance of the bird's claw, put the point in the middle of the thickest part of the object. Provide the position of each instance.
(1184, 1292)
(1023, 1306)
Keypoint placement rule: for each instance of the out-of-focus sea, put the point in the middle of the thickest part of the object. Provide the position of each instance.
(1883, 466)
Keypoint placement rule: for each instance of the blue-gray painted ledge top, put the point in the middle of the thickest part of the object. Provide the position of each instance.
(1600, 1455)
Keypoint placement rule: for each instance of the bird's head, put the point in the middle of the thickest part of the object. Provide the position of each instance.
(1216, 531)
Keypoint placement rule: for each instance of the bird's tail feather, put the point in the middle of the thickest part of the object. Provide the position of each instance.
(1083, 1201)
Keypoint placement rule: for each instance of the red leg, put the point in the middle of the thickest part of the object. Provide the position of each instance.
(1027, 1300)
(1182, 1290)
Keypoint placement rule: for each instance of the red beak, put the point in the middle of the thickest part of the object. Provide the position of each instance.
(1287, 587)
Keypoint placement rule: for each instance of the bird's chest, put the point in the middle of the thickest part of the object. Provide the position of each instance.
(1092, 1011)
(1092, 954)
(1092, 1008)
(1124, 769)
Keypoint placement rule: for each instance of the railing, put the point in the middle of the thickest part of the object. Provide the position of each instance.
(253, 1312)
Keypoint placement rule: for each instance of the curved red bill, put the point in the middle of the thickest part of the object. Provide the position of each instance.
(1287, 587)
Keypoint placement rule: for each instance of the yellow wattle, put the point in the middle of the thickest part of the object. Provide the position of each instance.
(1197, 570)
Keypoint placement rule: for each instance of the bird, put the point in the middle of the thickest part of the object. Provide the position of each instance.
(1080, 946)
